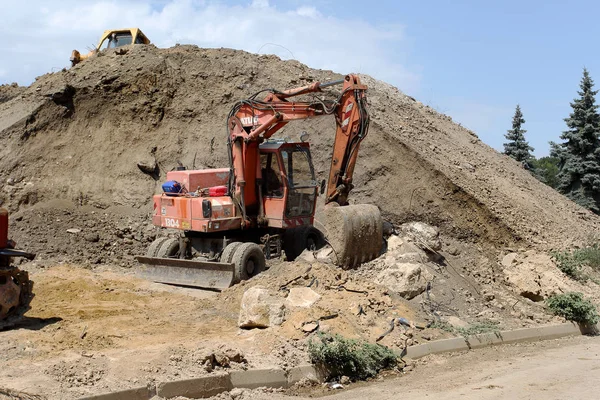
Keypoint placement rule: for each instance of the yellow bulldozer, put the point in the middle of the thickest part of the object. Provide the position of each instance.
(112, 39)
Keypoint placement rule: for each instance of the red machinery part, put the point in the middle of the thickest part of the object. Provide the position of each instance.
(3, 228)
(217, 191)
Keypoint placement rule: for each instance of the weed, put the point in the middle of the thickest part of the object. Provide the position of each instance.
(473, 329)
(574, 307)
(356, 359)
(572, 262)
(479, 328)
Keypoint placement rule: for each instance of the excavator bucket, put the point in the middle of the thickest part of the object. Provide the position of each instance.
(354, 232)
(201, 274)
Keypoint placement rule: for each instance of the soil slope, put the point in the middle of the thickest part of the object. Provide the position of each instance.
(78, 135)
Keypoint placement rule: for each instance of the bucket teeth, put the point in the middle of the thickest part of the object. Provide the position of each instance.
(354, 232)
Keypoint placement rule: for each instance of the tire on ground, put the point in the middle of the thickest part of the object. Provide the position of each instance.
(228, 252)
(155, 245)
(299, 239)
(168, 249)
(249, 261)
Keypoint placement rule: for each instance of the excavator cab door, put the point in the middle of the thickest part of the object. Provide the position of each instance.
(301, 182)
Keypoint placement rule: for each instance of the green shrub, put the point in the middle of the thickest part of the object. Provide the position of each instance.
(356, 359)
(591, 255)
(574, 307)
(570, 263)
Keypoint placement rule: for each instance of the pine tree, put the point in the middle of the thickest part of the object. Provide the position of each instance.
(579, 156)
(517, 147)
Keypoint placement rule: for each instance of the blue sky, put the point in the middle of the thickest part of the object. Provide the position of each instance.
(473, 60)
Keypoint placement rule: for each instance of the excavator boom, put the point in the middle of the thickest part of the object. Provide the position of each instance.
(355, 232)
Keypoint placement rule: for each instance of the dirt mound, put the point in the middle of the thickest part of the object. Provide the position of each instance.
(8, 92)
(78, 135)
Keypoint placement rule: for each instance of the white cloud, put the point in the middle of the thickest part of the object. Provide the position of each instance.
(43, 36)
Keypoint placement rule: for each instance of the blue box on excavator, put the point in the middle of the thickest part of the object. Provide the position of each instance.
(171, 188)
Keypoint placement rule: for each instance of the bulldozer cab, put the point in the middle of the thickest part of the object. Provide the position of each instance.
(289, 187)
(118, 38)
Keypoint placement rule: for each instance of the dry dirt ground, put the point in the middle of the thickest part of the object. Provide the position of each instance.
(69, 148)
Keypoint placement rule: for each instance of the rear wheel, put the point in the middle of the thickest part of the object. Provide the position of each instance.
(249, 261)
(168, 249)
(299, 239)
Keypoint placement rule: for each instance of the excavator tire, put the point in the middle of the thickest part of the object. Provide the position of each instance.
(249, 261)
(299, 239)
(16, 293)
(168, 248)
(354, 232)
(228, 252)
(155, 246)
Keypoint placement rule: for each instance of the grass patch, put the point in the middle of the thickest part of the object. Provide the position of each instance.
(572, 262)
(473, 329)
(356, 359)
(574, 307)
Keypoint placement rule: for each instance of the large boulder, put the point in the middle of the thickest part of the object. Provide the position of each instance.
(534, 275)
(261, 308)
(407, 279)
(425, 236)
(403, 250)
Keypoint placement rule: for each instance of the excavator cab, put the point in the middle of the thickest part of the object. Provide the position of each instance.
(289, 188)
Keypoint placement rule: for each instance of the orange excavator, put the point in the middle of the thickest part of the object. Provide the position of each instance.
(15, 287)
(232, 219)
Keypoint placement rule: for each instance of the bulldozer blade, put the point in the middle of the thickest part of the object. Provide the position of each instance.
(354, 232)
(200, 274)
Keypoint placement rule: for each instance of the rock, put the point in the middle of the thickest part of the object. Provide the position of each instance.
(453, 250)
(509, 259)
(310, 327)
(402, 250)
(92, 237)
(261, 308)
(302, 297)
(235, 355)
(307, 256)
(425, 236)
(407, 279)
(74, 230)
(455, 322)
(221, 359)
(325, 255)
(148, 166)
(536, 277)
(344, 380)
(394, 243)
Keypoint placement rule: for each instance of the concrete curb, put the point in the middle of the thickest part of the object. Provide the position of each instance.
(278, 378)
(496, 338)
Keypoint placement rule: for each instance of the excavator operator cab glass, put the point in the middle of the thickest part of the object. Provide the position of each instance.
(271, 175)
(302, 185)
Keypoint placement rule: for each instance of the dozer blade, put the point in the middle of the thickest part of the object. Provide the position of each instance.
(200, 274)
(354, 232)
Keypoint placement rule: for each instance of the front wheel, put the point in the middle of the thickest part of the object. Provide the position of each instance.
(249, 261)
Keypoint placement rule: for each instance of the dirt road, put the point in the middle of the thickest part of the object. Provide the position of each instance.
(558, 369)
